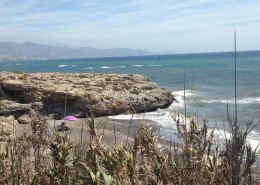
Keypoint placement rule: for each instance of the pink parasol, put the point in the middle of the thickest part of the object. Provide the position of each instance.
(70, 118)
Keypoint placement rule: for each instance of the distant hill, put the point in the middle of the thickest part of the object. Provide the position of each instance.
(29, 50)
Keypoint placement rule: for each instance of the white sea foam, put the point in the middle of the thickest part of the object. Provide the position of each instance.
(106, 67)
(88, 68)
(63, 65)
(249, 100)
(179, 96)
(232, 101)
(110, 67)
(181, 93)
(164, 118)
(137, 65)
(214, 101)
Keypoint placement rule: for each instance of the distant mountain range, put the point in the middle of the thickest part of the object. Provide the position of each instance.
(29, 51)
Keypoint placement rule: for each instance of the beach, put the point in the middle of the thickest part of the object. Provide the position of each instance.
(115, 131)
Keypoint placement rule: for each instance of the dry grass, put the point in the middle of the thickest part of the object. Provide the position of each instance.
(43, 158)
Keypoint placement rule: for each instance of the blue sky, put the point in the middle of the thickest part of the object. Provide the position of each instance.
(177, 26)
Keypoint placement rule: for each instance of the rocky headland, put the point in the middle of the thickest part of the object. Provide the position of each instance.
(78, 94)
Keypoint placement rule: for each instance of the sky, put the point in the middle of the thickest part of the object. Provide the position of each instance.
(175, 26)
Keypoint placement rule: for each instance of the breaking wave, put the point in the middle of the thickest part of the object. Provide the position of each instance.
(110, 67)
(248, 100)
(62, 65)
(137, 65)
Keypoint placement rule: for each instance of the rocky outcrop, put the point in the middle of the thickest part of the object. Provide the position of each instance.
(80, 93)
(7, 106)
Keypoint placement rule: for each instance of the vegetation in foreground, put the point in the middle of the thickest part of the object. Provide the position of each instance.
(43, 158)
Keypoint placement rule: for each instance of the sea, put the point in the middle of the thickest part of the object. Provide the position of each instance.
(206, 79)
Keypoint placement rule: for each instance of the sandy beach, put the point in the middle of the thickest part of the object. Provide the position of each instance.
(115, 131)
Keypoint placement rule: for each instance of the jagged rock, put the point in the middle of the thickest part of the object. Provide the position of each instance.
(82, 93)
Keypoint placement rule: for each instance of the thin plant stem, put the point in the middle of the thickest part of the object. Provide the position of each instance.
(170, 150)
(184, 84)
(235, 47)
(81, 134)
(13, 128)
(134, 112)
(115, 132)
(108, 113)
(130, 124)
(197, 78)
(66, 97)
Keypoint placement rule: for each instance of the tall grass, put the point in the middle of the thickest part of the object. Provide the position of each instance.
(43, 158)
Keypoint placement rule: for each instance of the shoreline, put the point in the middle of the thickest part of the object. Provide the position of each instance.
(120, 128)
(115, 131)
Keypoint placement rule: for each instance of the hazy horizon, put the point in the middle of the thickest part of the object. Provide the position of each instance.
(178, 27)
(133, 49)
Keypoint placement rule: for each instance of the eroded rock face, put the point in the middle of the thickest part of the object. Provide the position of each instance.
(82, 93)
(7, 106)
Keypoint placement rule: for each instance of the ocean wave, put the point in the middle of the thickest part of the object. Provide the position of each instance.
(106, 67)
(137, 65)
(73, 65)
(214, 101)
(61, 65)
(165, 119)
(248, 100)
(111, 67)
(88, 68)
(162, 117)
(181, 93)
(179, 96)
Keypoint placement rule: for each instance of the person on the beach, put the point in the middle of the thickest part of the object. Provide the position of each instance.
(63, 127)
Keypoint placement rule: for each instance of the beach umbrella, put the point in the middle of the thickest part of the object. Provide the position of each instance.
(70, 118)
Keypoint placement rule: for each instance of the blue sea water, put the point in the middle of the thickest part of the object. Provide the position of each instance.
(209, 80)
